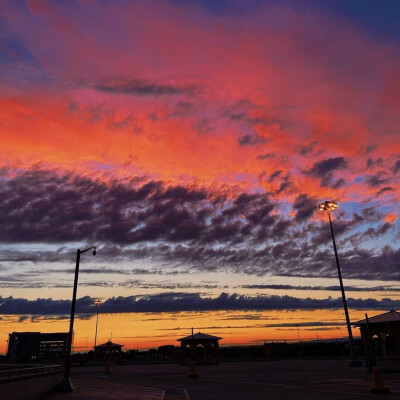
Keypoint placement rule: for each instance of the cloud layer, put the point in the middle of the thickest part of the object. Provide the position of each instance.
(177, 301)
(199, 229)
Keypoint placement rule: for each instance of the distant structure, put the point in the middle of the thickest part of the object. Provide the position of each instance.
(107, 349)
(36, 347)
(384, 339)
(202, 347)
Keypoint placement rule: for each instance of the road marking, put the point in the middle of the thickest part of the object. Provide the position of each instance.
(186, 394)
(176, 393)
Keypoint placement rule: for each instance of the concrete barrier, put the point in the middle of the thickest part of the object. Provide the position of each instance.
(29, 383)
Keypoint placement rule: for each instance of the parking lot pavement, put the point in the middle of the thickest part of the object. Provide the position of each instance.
(280, 380)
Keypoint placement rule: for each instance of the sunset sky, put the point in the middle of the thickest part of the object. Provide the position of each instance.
(191, 142)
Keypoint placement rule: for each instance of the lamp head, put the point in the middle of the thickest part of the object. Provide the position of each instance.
(94, 251)
(331, 205)
(327, 206)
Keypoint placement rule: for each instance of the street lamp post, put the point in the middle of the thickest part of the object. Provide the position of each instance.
(97, 302)
(65, 385)
(193, 373)
(329, 206)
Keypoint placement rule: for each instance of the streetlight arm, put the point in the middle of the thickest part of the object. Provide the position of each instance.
(89, 248)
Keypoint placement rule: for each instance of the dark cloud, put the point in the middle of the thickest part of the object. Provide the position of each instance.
(182, 110)
(248, 114)
(371, 162)
(367, 264)
(378, 179)
(278, 182)
(384, 190)
(304, 206)
(302, 324)
(396, 167)
(350, 288)
(143, 87)
(339, 183)
(324, 167)
(183, 228)
(302, 259)
(334, 325)
(42, 206)
(237, 116)
(324, 170)
(266, 156)
(140, 284)
(268, 120)
(125, 123)
(274, 175)
(248, 316)
(251, 140)
(103, 270)
(11, 305)
(211, 328)
(376, 232)
(203, 126)
(177, 301)
(371, 214)
(305, 150)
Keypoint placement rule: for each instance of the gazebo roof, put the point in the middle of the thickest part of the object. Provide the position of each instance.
(389, 317)
(199, 336)
(108, 344)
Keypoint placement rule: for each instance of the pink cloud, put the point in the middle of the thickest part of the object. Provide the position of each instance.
(173, 91)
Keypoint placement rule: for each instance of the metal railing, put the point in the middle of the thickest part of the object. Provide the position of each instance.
(19, 371)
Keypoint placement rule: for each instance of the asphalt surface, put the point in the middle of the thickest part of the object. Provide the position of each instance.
(280, 380)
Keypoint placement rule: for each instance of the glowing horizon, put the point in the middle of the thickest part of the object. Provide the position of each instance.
(143, 330)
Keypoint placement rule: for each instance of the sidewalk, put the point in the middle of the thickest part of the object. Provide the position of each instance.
(275, 380)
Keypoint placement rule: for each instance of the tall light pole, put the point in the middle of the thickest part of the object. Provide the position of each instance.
(330, 206)
(65, 385)
(97, 302)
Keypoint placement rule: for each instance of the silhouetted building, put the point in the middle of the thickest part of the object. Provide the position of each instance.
(36, 347)
(169, 351)
(384, 341)
(108, 349)
(201, 347)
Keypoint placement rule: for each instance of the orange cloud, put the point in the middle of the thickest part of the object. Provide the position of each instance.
(390, 218)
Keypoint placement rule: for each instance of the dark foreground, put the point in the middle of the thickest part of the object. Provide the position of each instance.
(280, 380)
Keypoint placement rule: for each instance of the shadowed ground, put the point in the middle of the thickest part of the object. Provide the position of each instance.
(280, 380)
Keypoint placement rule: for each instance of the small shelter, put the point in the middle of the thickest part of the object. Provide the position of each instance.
(200, 347)
(384, 340)
(107, 350)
